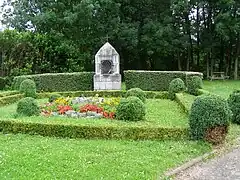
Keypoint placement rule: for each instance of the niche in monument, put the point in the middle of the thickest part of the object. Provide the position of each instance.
(106, 67)
(107, 76)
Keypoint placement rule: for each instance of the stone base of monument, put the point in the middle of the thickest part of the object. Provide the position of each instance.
(107, 82)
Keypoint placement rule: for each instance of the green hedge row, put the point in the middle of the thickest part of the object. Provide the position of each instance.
(149, 94)
(185, 101)
(155, 80)
(89, 132)
(8, 93)
(202, 91)
(10, 99)
(58, 81)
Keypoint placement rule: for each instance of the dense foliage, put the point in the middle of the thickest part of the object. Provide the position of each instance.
(198, 35)
(28, 107)
(175, 86)
(58, 82)
(208, 112)
(138, 93)
(194, 83)
(131, 109)
(234, 103)
(2, 83)
(28, 87)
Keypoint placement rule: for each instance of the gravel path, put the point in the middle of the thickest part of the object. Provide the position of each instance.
(226, 167)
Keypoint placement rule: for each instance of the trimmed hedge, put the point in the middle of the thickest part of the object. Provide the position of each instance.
(194, 83)
(28, 87)
(10, 99)
(149, 94)
(155, 80)
(131, 109)
(90, 132)
(208, 112)
(58, 81)
(203, 92)
(234, 104)
(185, 101)
(28, 107)
(137, 92)
(8, 93)
(177, 85)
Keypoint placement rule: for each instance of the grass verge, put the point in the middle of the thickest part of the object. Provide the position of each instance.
(222, 88)
(35, 157)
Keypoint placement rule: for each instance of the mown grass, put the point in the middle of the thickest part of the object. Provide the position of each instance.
(164, 113)
(222, 88)
(35, 157)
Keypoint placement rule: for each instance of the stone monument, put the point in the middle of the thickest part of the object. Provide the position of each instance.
(107, 75)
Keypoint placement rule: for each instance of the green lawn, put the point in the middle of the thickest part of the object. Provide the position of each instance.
(160, 112)
(222, 88)
(35, 157)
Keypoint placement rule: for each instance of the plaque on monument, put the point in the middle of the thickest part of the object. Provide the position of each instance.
(107, 76)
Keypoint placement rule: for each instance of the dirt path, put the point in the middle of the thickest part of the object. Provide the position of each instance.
(226, 167)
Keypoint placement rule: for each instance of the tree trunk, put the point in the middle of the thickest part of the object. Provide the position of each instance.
(198, 37)
(179, 61)
(236, 60)
(207, 58)
(188, 59)
(221, 56)
(236, 68)
(212, 63)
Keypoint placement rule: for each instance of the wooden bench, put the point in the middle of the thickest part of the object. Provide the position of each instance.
(219, 76)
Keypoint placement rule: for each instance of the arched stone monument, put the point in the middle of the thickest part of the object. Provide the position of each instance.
(107, 72)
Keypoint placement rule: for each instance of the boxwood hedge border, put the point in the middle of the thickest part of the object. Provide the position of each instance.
(90, 131)
(93, 132)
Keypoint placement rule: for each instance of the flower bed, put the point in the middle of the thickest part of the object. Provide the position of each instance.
(88, 107)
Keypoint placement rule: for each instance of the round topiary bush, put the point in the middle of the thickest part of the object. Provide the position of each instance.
(53, 97)
(234, 104)
(28, 107)
(138, 93)
(193, 84)
(209, 118)
(175, 86)
(131, 109)
(28, 87)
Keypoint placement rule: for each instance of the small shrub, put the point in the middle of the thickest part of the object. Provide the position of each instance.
(53, 97)
(138, 93)
(28, 87)
(175, 86)
(193, 84)
(234, 104)
(208, 114)
(28, 107)
(2, 83)
(131, 109)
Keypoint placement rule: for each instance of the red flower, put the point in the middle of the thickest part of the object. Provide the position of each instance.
(111, 115)
(92, 108)
(105, 114)
(63, 109)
